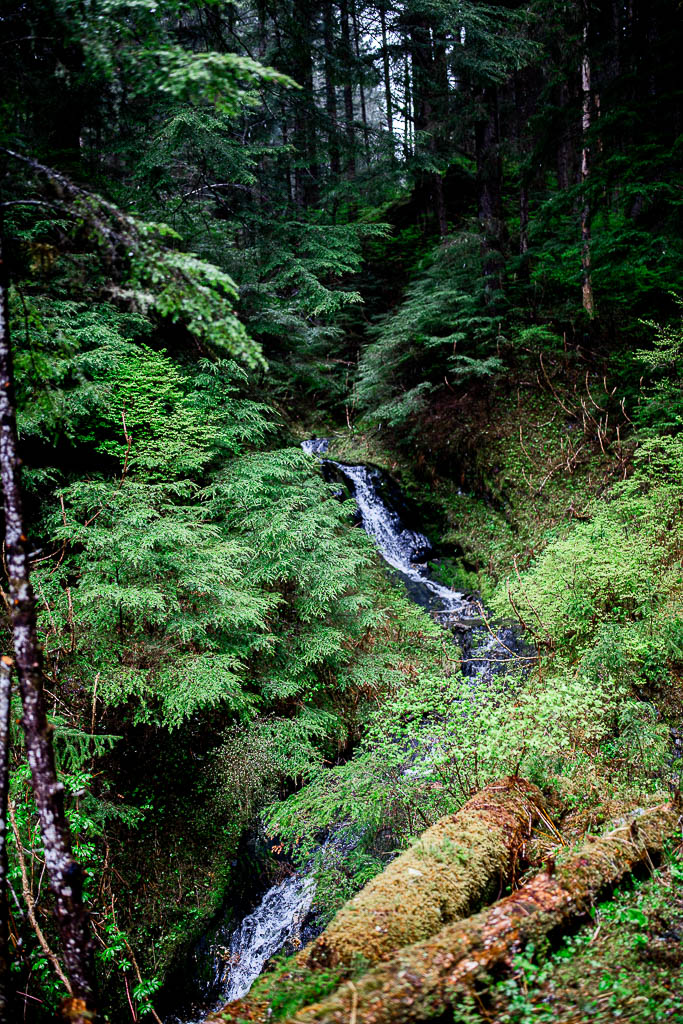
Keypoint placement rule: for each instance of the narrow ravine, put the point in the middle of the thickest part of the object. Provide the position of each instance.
(233, 958)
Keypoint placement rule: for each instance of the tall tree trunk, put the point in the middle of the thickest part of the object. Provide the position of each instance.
(304, 138)
(407, 115)
(330, 90)
(586, 280)
(439, 199)
(524, 225)
(387, 73)
(566, 160)
(489, 184)
(438, 127)
(521, 93)
(64, 873)
(348, 89)
(5, 701)
(361, 87)
(425, 107)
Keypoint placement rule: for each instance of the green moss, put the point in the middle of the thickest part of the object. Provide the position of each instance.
(627, 964)
(281, 991)
(450, 871)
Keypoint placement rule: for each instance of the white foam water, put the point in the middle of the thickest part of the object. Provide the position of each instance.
(237, 963)
(262, 933)
(397, 544)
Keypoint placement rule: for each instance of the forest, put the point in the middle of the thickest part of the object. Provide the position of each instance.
(341, 450)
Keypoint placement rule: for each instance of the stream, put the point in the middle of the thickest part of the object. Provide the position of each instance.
(230, 958)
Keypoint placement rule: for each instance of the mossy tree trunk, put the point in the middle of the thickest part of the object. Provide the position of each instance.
(64, 873)
(457, 865)
(421, 981)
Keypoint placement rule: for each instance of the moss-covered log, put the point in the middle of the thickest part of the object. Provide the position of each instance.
(422, 980)
(457, 865)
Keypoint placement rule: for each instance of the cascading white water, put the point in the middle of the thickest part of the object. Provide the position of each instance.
(237, 962)
(315, 445)
(239, 958)
(397, 544)
(262, 933)
(403, 549)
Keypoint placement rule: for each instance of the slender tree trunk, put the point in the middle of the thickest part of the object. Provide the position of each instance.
(586, 281)
(566, 160)
(262, 29)
(304, 138)
(489, 183)
(348, 89)
(439, 203)
(407, 130)
(429, 186)
(330, 90)
(523, 219)
(64, 873)
(387, 73)
(361, 87)
(440, 127)
(521, 92)
(5, 701)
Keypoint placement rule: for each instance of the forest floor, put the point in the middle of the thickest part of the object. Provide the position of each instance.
(626, 965)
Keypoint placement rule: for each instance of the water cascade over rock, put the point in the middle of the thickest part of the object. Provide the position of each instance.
(232, 958)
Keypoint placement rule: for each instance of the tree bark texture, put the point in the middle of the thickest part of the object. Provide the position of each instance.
(361, 87)
(347, 55)
(64, 873)
(330, 89)
(490, 184)
(387, 73)
(458, 864)
(5, 702)
(421, 981)
(586, 100)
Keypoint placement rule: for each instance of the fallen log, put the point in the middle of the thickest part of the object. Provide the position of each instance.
(457, 865)
(422, 980)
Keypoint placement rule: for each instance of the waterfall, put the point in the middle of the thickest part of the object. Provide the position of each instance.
(264, 932)
(402, 548)
(382, 515)
(237, 956)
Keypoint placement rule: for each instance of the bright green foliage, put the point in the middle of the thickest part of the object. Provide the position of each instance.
(662, 409)
(620, 965)
(188, 553)
(617, 576)
(218, 79)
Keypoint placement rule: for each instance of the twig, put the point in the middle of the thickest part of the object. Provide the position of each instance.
(354, 1003)
(139, 976)
(130, 1001)
(495, 635)
(30, 905)
(569, 412)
